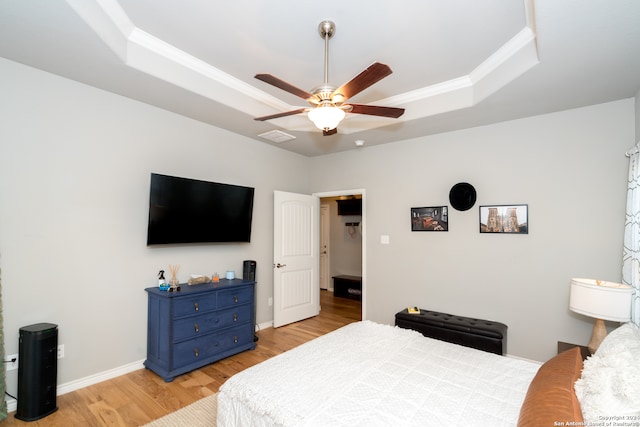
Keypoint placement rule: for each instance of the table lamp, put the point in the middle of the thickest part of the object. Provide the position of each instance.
(603, 301)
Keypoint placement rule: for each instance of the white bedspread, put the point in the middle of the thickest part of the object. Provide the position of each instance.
(367, 374)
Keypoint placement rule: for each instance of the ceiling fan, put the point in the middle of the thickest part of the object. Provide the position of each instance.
(328, 106)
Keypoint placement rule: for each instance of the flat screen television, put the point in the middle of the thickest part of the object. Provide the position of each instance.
(183, 210)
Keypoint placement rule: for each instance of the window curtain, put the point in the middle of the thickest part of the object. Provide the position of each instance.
(631, 254)
(3, 386)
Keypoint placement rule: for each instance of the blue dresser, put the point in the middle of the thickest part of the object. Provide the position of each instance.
(199, 325)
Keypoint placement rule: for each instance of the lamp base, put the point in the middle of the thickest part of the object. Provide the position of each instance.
(598, 334)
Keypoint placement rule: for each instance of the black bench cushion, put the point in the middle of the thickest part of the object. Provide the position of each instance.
(481, 334)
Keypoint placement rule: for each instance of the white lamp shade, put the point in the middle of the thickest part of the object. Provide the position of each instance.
(326, 117)
(600, 299)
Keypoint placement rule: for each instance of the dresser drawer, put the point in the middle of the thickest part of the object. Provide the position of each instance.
(184, 306)
(188, 352)
(205, 323)
(233, 297)
(235, 316)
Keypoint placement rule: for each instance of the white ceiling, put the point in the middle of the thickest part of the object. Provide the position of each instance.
(456, 63)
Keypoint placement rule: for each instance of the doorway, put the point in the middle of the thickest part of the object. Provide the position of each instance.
(346, 240)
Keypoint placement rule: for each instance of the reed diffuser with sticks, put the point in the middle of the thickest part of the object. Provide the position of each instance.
(174, 283)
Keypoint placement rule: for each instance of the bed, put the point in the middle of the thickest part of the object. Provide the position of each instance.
(378, 375)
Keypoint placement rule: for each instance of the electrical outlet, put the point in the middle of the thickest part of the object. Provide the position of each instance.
(270, 302)
(60, 351)
(9, 364)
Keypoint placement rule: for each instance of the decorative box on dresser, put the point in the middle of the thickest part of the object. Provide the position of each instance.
(199, 325)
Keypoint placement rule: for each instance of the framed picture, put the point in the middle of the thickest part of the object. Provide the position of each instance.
(430, 218)
(506, 219)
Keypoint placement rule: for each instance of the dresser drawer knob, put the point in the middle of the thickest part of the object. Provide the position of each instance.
(196, 306)
(197, 328)
(235, 317)
(195, 352)
(235, 338)
(235, 299)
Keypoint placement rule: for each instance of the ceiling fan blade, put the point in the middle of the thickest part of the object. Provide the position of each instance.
(371, 75)
(286, 113)
(330, 132)
(281, 84)
(374, 110)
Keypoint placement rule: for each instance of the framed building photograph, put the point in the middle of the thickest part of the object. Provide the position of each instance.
(430, 218)
(505, 219)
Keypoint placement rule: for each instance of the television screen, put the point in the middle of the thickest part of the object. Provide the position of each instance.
(183, 210)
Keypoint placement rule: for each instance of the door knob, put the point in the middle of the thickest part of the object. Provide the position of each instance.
(278, 265)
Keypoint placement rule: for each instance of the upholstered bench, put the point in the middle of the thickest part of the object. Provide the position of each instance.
(475, 333)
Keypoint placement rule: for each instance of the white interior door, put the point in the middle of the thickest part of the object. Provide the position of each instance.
(325, 219)
(296, 289)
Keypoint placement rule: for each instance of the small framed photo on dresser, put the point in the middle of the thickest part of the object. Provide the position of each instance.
(504, 219)
(434, 218)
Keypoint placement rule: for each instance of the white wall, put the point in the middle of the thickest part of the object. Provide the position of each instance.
(569, 167)
(74, 191)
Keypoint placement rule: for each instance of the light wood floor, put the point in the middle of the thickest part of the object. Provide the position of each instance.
(142, 396)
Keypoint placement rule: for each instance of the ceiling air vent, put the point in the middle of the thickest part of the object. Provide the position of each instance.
(277, 136)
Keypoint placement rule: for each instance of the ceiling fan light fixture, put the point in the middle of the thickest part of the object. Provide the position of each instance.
(326, 117)
(328, 106)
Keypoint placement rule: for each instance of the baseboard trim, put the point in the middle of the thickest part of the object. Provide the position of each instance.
(65, 388)
(264, 325)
